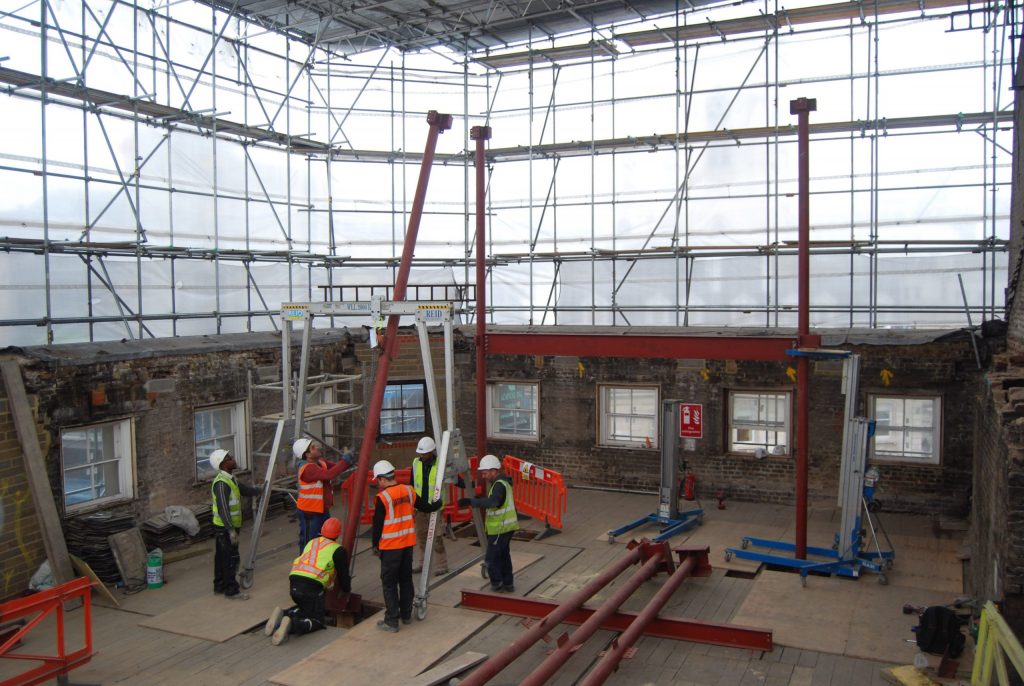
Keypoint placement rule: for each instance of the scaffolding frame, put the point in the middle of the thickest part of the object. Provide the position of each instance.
(161, 91)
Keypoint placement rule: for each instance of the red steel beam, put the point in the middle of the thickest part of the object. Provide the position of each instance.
(438, 124)
(649, 346)
(676, 628)
(480, 134)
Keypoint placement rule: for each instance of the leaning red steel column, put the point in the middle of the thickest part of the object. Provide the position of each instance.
(438, 124)
(502, 659)
(481, 134)
(802, 107)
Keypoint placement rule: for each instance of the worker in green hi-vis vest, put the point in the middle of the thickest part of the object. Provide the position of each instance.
(227, 522)
(500, 523)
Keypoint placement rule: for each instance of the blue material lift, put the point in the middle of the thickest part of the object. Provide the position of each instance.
(848, 556)
(672, 521)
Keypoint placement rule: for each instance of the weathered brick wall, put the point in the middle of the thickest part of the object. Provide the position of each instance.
(21, 542)
(569, 431)
(1015, 297)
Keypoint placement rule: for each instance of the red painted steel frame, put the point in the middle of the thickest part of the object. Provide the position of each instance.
(802, 107)
(480, 134)
(438, 123)
(554, 617)
(44, 603)
(681, 347)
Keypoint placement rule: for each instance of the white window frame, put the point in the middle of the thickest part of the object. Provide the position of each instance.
(605, 417)
(761, 443)
(494, 408)
(884, 429)
(124, 453)
(239, 435)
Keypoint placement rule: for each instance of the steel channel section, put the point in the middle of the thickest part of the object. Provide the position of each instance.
(555, 614)
(481, 134)
(802, 107)
(438, 123)
(682, 347)
(569, 644)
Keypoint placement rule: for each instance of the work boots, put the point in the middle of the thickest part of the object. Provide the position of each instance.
(273, 622)
(282, 631)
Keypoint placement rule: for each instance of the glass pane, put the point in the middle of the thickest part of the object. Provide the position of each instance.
(744, 407)
(643, 428)
(506, 421)
(392, 397)
(412, 396)
(920, 412)
(644, 402)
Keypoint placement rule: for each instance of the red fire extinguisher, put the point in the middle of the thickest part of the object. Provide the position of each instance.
(690, 486)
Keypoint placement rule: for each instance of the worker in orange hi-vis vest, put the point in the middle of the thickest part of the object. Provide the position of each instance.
(316, 496)
(394, 539)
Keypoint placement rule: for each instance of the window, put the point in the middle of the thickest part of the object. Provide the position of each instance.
(512, 410)
(219, 426)
(759, 421)
(404, 409)
(97, 464)
(629, 416)
(906, 428)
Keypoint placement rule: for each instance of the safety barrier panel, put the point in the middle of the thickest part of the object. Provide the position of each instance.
(42, 604)
(538, 492)
(996, 645)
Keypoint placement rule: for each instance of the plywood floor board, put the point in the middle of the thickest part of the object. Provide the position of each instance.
(449, 594)
(357, 653)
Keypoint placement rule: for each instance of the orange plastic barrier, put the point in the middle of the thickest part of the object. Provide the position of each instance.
(39, 606)
(538, 492)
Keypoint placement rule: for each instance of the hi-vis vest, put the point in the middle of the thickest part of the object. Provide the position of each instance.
(234, 501)
(501, 519)
(417, 480)
(399, 529)
(317, 561)
(311, 495)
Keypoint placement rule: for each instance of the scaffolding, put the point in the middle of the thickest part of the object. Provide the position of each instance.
(180, 168)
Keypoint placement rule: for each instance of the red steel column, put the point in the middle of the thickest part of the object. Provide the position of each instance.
(802, 107)
(571, 644)
(438, 124)
(612, 656)
(481, 134)
(501, 660)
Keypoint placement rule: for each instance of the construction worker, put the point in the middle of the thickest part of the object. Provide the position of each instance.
(394, 538)
(424, 475)
(316, 496)
(227, 495)
(500, 523)
(323, 563)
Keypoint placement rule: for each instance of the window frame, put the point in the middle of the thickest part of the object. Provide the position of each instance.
(239, 425)
(603, 416)
(492, 410)
(425, 429)
(935, 431)
(125, 434)
(788, 425)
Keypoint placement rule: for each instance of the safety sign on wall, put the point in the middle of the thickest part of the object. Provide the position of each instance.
(691, 420)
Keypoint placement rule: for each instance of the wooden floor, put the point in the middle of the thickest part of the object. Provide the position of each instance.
(825, 636)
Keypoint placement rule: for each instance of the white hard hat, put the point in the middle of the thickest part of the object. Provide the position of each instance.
(426, 445)
(217, 456)
(300, 447)
(383, 468)
(490, 462)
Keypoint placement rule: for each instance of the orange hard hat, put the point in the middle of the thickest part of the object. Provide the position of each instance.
(331, 528)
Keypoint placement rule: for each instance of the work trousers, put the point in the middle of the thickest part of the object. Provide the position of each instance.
(396, 582)
(499, 560)
(310, 524)
(308, 614)
(225, 562)
(439, 559)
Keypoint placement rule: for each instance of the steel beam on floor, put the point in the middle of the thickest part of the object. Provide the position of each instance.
(677, 628)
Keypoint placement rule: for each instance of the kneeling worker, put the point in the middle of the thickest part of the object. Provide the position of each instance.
(394, 539)
(500, 523)
(323, 563)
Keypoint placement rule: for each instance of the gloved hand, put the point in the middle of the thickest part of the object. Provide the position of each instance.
(463, 502)
(233, 536)
(376, 551)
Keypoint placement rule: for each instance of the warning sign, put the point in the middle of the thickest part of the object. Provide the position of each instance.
(691, 420)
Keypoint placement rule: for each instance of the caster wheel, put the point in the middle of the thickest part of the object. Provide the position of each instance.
(421, 612)
(803, 582)
(888, 564)
(245, 579)
(883, 579)
(728, 555)
(746, 544)
(483, 571)
(611, 539)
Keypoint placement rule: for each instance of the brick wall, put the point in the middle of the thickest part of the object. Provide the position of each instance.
(21, 542)
(569, 432)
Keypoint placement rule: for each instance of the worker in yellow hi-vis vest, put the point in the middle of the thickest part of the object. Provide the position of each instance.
(500, 523)
(227, 494)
